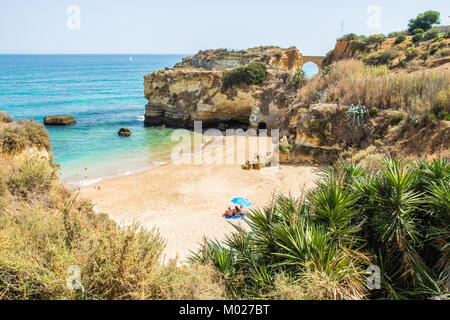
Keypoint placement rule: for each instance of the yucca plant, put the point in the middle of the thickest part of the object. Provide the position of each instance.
(439, 232)
(398, 215)
(395, 206)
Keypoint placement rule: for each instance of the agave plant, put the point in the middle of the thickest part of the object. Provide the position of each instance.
(358, 114)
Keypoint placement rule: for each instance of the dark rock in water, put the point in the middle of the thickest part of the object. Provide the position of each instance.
(63, 120)
(124, 132)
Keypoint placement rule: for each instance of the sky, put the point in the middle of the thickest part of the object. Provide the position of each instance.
(186, 26)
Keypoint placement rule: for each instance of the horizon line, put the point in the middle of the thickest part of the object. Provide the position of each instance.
(125, 54)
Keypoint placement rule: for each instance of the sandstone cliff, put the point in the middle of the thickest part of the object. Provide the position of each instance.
(193, 90)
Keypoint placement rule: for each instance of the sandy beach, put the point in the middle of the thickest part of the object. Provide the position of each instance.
(186, 201)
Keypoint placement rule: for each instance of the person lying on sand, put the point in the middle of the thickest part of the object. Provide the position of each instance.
(229, 213)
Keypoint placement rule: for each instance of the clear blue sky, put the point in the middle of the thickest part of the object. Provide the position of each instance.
(183, 26)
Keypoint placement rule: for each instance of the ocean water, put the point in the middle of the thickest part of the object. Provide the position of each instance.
(104, 93)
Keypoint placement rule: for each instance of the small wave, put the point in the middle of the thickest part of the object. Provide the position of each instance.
(141, 118)
(89, 182)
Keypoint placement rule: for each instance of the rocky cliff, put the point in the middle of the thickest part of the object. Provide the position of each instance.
(193, 90)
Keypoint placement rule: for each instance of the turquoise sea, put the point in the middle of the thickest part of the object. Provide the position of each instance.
(104, 93)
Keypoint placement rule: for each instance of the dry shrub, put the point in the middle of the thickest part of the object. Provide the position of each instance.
(4, 117)
(352, 82)
(316, 286)
(15, 137)
(31, 178)
(363, 153)
(442, 101)
(395, 116)
(119, 263)
(193, 282)
(35, 133)
(372, 161)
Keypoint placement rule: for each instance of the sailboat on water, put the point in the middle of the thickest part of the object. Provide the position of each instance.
(131, 59)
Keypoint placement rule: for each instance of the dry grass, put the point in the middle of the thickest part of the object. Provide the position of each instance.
(316, 286)
(352, 82)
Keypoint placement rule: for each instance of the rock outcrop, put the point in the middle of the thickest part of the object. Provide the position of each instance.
(286, 59)
(124, 132)
(61, 120)
(193, 90)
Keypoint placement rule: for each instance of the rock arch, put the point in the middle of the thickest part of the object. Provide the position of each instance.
(315, 59)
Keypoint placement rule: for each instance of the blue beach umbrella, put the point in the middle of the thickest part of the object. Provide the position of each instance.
(242, 202)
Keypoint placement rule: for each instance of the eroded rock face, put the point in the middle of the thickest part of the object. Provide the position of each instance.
(193, 90)
(180, 96)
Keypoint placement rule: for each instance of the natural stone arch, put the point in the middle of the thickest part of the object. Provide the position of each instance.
(318, 61)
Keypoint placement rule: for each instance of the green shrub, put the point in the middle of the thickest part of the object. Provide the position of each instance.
(376, 38)
(396, 34)
(417, 38)
(411, 53)
(254, 73)
(431, 34)
(297, 80)
(349, 37)
(285, 148)
(417, 31)
(4, 117)
(436, 46)
(32, 177)
(356, 46)
(400, 39)
(444, 115)
(382, 57)
(445, 52)
(374, 111)
(424, 20)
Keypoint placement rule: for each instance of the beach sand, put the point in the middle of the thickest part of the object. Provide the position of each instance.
(186, 201)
